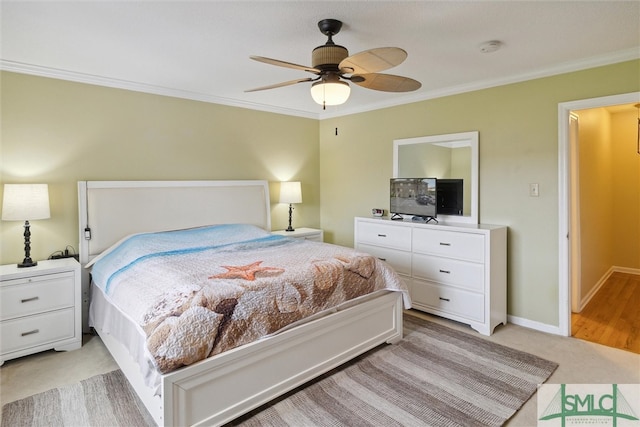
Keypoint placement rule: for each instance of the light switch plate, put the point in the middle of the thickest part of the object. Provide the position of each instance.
(534, 190)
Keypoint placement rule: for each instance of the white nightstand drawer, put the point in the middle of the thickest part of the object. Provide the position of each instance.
(381, 234)
(463, 274)
(442, 298)
(399, 260)
(466, 246)
(35, 330)
(21, 297)
(312, 234)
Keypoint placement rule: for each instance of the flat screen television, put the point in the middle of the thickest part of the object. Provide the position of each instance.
(450, 196)
(413, 196)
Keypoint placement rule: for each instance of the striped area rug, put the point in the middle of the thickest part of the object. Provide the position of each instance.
(435, 376)
(103, 400)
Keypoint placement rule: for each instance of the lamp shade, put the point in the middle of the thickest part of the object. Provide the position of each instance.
(23, 202)
(330, 91)
(290, 192)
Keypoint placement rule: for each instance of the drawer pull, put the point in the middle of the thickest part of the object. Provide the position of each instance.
(382, 259)
(445, 271)
(445, 299)
(445, 244)
(35, 331)
(29, 299)
(382, 235)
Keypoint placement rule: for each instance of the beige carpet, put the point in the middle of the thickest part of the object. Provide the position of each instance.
(435, 376)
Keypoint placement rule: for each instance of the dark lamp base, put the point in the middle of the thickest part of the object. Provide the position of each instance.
(27, 263)
(290, 228)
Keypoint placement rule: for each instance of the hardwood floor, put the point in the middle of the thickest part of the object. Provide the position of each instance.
(612, 317)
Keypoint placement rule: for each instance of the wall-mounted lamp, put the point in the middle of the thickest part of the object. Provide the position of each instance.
(290, 192)
(330, 91)
(24, 202)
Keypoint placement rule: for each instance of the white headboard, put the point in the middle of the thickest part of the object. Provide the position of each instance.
(111, 210)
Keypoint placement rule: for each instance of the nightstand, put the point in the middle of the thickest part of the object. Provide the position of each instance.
(40, 308)
(312, 234)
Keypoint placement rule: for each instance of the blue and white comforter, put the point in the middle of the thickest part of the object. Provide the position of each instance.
(198, 292)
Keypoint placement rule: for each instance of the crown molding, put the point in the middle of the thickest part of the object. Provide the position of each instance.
(566, 67)
(343, 110)
(54, 73)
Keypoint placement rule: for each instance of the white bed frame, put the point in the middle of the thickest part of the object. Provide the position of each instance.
(221, 388)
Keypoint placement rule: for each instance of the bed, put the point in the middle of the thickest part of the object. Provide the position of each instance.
(224, 385)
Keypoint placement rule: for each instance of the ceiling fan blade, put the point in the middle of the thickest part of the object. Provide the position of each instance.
(285, 64)
(290, 82)
(373, 60)
(386, 82)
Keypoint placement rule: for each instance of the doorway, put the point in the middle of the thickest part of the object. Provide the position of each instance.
(568, 272)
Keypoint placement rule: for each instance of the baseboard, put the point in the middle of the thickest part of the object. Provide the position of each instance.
(584, 301)
(555, 330)
(532, 324)
(626, 270)
(601, 282)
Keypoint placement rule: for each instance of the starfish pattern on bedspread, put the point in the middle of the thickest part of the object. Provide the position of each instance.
(247, 272)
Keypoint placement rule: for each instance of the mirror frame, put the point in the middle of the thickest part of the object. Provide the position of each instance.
(463, 139)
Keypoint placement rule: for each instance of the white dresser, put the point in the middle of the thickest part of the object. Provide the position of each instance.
(454, 271)
(40, 308)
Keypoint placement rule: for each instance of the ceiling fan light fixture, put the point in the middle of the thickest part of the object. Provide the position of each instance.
(331, 63)
(330, 91)
(328, 56)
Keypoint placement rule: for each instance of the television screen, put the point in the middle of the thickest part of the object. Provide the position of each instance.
(414, 196)
(450, 200)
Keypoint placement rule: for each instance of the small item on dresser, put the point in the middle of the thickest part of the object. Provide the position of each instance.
(377, 212)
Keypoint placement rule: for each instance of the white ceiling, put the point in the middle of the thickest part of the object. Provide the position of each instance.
(200, 50)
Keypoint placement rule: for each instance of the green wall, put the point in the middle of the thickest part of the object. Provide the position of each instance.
(518, 127)
(59, 132)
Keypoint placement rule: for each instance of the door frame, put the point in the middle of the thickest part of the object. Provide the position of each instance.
(564, 195)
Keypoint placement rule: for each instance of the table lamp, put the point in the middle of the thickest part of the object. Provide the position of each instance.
(24, 202)
(290, 192)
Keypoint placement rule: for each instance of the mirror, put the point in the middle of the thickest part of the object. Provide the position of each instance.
(451, 156)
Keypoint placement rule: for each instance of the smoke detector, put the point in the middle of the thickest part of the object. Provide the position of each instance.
(490, 46)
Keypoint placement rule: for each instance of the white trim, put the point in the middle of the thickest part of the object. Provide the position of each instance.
(91, 79)
(532, 324)
(564, 109)
(567, 67)
(575, 260)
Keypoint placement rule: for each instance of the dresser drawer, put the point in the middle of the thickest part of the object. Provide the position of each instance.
(449, 271)
(399, 260)
(465, 304)
(22, 297)
(31, 331)
(464, 246)
(381, 234)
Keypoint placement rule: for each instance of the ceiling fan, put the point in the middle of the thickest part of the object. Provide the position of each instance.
(333, 67)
